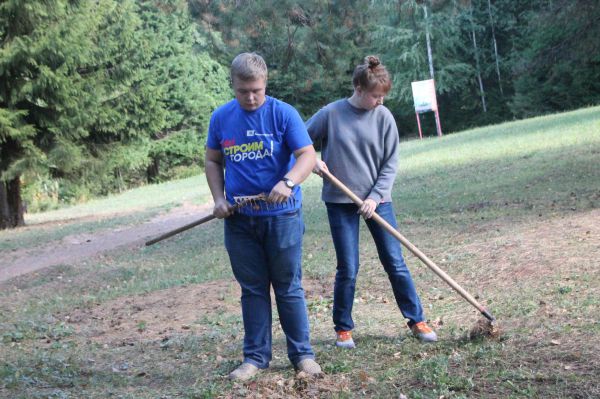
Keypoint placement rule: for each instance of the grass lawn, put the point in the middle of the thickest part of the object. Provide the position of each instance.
(511, 212)
(130, 207)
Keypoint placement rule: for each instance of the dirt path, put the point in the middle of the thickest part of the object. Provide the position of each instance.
(80, 246)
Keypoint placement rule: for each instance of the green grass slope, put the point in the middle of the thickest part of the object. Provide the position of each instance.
(509, 211)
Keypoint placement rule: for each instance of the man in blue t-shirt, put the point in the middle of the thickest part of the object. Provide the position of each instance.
(257, 153)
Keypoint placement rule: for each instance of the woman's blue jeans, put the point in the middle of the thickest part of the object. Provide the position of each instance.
(344, 223)
(265, 251)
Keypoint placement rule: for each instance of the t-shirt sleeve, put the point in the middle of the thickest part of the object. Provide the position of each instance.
(317, 125)
(296, 135)
(213, 141)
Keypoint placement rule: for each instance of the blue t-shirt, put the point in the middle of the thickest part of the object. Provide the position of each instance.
(258, 148)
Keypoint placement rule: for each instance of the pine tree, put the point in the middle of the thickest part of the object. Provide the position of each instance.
(311, 47)
(44, 48)
(556, 62)
(190, 86)
(401, 41)
(92, 93)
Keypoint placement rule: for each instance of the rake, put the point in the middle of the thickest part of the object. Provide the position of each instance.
(490, 330)
(251, 202)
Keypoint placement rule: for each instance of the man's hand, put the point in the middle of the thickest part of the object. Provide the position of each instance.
(320, 166)
(367, 209)
(222, 209)
(279, 193)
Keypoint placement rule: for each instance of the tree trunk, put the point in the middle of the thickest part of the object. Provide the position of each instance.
(4, 213)
(429, 55)
(495, 46)
(11, 204)
(152, 171)
(481, 89)
(476, 53)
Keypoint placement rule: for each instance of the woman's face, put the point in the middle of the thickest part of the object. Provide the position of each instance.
(370, 99)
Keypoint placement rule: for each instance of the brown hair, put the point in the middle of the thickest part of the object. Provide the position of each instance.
(248, 66)
(370, 74)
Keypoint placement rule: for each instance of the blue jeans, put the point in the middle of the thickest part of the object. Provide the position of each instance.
(265, 251)
(344, 223)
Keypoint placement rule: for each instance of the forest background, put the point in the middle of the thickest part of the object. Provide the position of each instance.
(100, 96)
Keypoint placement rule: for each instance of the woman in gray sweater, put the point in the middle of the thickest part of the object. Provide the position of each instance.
(360, 147)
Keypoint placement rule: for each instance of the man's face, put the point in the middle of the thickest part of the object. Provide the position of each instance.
(251, 93)
(371, 99)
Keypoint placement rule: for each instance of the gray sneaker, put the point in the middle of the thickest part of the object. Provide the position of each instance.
(244, 372)
(309, 366)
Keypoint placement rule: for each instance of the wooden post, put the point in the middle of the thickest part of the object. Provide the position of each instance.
(438, 124)
(419, 125)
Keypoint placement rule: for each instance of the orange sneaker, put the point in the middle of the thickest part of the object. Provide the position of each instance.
(344, 340)
(423, 332)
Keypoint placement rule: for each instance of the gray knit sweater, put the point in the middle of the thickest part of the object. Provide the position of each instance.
(360, 148)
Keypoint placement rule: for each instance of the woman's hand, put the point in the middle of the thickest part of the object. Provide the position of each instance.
(320, 166)
(367, 209)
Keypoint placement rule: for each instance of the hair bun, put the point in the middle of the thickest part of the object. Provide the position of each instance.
(372, 61)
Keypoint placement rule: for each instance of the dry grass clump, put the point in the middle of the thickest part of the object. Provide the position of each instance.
(485, 329)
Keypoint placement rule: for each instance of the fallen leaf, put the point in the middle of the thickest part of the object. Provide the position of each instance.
(364, 377)
(302, 375)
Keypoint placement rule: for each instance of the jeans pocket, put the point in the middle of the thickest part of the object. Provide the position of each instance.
(288, 230)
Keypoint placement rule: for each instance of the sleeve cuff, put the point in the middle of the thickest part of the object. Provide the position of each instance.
(375, 197)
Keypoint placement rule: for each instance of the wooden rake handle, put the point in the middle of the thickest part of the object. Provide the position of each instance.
(428, 262)
(188, 226)
(178, 230)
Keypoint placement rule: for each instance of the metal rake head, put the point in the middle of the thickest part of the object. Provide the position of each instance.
(258, 203)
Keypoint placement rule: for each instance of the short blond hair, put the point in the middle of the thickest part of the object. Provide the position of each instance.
(248, 66)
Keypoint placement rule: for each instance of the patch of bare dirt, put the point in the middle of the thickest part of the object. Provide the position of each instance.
(75, 247)
(277, 387)
(156, 315)
(535, 249)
